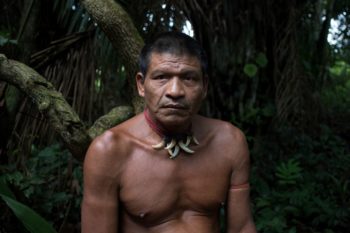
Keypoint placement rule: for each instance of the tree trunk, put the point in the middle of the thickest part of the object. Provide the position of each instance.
(122, 33)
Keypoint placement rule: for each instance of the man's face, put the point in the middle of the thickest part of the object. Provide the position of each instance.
(173, 88)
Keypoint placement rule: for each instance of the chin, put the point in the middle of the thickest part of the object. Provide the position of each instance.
(175, 121)
(174, 113)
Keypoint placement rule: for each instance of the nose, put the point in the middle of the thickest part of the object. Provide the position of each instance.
(175, 89)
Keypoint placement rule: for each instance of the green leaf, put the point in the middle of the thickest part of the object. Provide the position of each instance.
(261, 60)
(50, 151)
(32, 221)
(263, 202)
(289, 173)
(4, 189)
(250, 70)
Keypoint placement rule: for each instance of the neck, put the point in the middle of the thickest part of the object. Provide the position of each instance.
(172, 142)
(161, 130)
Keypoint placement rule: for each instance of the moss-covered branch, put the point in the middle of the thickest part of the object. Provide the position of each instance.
(114, 117)
(62, 118)
(120, 30)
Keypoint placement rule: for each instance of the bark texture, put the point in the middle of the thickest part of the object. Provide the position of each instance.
(59, 113)
(114, 117)
(120, 30)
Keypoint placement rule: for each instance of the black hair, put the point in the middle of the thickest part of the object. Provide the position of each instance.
(176, 43)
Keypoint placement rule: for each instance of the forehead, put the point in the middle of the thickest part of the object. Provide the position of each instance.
(168, 61)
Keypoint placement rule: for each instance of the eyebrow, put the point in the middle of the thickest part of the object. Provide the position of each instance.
(184, 72)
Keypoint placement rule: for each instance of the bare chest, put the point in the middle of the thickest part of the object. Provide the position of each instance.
(154, 187)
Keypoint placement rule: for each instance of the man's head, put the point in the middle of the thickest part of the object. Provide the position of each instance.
(172, 79)
(175, 43)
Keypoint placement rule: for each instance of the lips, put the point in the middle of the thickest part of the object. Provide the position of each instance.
(175, 106)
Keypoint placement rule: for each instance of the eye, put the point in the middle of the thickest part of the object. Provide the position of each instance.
(190, 78)
(160, 77)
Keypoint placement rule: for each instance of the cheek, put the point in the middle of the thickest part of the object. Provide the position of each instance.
(197, 97)
(151, 97)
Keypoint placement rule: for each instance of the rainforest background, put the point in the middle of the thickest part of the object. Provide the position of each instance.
(279, 70)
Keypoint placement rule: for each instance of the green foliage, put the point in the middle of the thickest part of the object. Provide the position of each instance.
(33, 222)
(254, 117)
(261, 60)
(300, 183)
(289, 173)
(5, 38)
(4, 189)
(50, 183)
(309, 190)
(336, 93)
(250, 70)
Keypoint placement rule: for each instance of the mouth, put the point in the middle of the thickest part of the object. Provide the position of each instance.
(175, 106)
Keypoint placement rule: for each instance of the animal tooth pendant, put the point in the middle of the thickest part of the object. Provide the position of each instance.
(159, 145)
(174, 146)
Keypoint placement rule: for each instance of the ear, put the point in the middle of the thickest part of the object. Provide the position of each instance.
(140, 84)
(205, 86)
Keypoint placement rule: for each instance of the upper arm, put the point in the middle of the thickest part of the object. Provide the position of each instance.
(100, 199)
(239, 218)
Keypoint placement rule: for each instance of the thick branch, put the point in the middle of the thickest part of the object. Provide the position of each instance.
(58, 112)
(120, 30)
(114, 117)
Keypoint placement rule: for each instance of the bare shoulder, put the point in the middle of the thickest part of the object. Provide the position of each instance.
(227, 137)
(221, 130)
(109, 151)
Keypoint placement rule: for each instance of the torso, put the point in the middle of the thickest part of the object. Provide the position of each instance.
(159, 194)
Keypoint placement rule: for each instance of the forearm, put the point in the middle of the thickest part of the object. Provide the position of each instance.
(249, 227)
(239, 217)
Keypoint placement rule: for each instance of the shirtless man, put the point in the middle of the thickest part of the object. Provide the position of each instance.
(168, 169)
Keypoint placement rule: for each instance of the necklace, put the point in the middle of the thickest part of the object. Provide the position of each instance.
(173, 143)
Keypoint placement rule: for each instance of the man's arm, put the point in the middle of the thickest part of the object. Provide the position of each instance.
(239, 217)
(100, 199)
